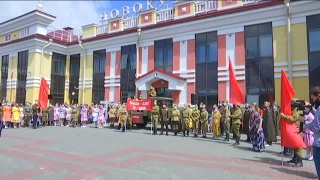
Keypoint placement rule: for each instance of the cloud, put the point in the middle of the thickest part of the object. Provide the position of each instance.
(68, 13)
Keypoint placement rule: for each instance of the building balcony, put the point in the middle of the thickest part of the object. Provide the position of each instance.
(102, 29)
(66, 35)
(164, 15)
(205, 6)
(130, 23)
(25, 32)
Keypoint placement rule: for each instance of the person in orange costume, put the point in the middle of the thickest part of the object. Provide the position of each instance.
(7, 114)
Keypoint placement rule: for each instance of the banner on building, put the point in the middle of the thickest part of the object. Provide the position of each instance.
(139, 105)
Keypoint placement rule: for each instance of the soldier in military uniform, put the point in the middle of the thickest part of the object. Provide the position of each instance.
(112, 115)
(35, 114)
(44, 115)
(123, 114)
(50, 115)
(185, 120)
(152, 92)
(129, 120)
(175, 120)
(246, 122)
(74, 115)
(204, 121)
(294, 118)
(27, 114)
(165, 116)
(155, 114)
(226, 118)
(195, 120)
(236, 122)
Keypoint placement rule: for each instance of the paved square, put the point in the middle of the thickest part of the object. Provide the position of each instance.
(88, 153)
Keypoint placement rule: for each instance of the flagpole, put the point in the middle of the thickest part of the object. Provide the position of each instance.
(281, 156)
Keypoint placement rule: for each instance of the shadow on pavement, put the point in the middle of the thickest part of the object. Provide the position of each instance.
(265, 151)
(296, 172)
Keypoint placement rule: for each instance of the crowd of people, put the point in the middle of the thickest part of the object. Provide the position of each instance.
(261, 126)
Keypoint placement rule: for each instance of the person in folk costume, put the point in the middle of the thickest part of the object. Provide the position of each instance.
(294, 118)
(7, 114)
(21, 115)
(185, 120)
(27, 114)
(68, 114)
(112, 115)
(44, 116)
(195, 120)
(216, 116)
(246, 122)
(268, 124)
(256, 130)
(74, 116)
(95, 114)
(84, 115)
(56, 114)
(204, 117)
(123, 113)
(1, 118)
(50, 114)
(175, 120)
(236, 122)
(101, 118)
(165, 116)
(62, 115)
(35, 114)
(307, 133)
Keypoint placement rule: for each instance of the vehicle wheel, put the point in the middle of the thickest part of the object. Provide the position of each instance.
(141, 125)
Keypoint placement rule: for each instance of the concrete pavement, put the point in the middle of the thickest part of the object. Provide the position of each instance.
(89, 153)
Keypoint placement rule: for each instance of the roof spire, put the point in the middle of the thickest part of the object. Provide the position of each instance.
(40, 6)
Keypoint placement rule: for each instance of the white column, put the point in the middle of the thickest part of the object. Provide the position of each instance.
(230, 52)
(144, 60)
(183, 55)
(111, 94)
(112, 74)
(183, 96)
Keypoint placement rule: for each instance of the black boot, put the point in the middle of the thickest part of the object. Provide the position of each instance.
(175, 133)
(298, 163)
(293, 160)
(167, 132)
(227, 137)
(161, 132)
(123, 129)
(187, 132)
(237, 142)
(184, 133)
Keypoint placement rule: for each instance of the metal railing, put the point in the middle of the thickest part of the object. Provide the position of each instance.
(62, 35)
(205, 6)
(24, 32)
(164, 15)
(130, 22)
(102, 29)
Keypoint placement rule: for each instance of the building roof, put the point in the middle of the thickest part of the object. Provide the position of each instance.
(160, 72)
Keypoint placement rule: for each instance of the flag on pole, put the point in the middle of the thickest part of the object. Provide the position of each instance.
(43, 94)
(236, 95)
(290, 136)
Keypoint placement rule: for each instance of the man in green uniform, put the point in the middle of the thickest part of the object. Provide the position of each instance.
(112, 115)
(129, 120)
(44, 115)
(175, 120)
(155, 114)
(226, 118)
(165, 118)
(27, 114)
(185, 120)
(74, 115)
(236, 122)
(204, 121)
(195, 120)
(35, 114)
(123, 113)
(294, 118)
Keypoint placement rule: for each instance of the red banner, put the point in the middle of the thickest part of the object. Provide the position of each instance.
(139, 105)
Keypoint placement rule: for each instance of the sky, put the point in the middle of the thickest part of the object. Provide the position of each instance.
(69, 13)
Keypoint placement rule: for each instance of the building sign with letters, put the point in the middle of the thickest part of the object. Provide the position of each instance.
(136, 8)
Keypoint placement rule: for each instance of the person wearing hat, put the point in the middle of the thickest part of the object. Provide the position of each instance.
(152, 92)
(204, 121)
(112, 115)
(35, 112)
(155, 114)
(185, 120)
(175, 119)
(268, 124)
(226, 118)
(246, 121)
(195, 120)
(294, 118)
(165, 115)
(123, 114)
(236, 122)
(27, 114)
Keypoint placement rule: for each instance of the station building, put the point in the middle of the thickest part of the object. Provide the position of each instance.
(182, 51)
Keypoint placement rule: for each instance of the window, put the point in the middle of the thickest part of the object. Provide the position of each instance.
(259, 62)
(74, 72)
(206, 68)
(313, 29)
(22, 76)
(128, 71)
(4, 76)
(99, 64)
(58, 68)
(164, 54)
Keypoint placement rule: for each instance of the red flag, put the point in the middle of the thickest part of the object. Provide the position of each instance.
(289, 131)
(43, 94)
(236, 95)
